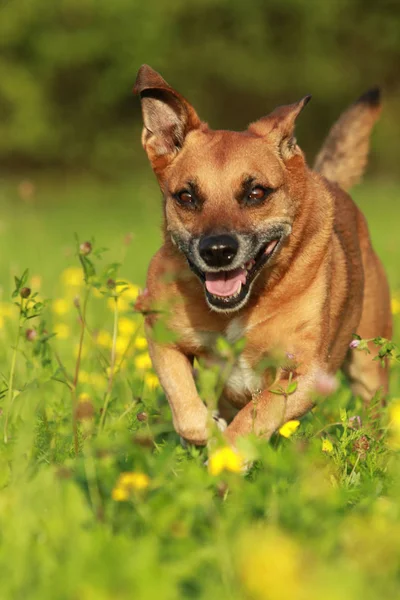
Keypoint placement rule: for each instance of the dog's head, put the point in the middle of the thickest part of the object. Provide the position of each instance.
(231, 198)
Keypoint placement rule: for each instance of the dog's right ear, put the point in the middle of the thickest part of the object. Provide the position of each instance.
(167, 117)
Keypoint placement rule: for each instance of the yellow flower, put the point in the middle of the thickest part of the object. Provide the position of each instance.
(134, 480)
(143, 362)
(72, 277)
(126, 297)
(60, 306)
(327, 446)
(289, 428)
(131, 292)
(151, 381)
(126, 326)
(84, 397)
(394, 424)
(140, 343)
(121, 344)
(61, 330)
(104, 338)
(120, 494)
(225, 459)
(7, 309)
(123, 305)
(276, 569)
(395, 305)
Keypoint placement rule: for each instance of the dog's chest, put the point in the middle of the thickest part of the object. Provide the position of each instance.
(242, 379)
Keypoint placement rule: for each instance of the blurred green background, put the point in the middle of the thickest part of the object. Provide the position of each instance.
(70, 152)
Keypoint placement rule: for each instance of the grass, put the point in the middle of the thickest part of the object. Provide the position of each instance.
(99, 500)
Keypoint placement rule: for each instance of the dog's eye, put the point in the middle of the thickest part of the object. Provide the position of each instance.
(185, 197)
(258, 194)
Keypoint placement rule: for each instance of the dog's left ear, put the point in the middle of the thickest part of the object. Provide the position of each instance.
(167, 117)
(278, 127)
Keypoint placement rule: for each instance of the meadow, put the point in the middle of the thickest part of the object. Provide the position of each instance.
(99, 500)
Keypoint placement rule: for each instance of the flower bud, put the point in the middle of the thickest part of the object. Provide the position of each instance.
(31, 335)
(25, 292)
(142, 416)
(354, 344)
(85, 248)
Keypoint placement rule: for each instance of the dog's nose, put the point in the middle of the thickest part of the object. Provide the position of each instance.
(218, 250)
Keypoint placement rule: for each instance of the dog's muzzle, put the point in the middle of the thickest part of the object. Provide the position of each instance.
(228, 263)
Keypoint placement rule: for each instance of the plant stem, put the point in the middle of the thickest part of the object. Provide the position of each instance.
(10, 397)
(112, 366)
(77, 367)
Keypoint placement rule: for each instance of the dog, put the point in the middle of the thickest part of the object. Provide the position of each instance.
(258, 246)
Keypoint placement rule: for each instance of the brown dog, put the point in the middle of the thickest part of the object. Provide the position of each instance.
(258, 246)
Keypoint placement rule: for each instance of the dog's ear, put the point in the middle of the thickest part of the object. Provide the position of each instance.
(278, 127)
(167, 117)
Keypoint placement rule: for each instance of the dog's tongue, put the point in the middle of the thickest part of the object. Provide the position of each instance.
(225, 283)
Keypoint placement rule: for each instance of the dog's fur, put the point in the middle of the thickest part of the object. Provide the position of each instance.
(320, 283)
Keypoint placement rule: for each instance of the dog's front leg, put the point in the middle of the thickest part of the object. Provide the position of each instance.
(266, 412)
(174, 370)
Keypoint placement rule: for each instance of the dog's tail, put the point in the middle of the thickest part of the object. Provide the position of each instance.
(343, 156)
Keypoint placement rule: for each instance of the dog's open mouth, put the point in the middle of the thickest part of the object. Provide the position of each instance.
(226, 290)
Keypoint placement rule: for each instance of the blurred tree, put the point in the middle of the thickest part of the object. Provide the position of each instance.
(68, 67)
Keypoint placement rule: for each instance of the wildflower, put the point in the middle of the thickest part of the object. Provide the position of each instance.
(394, 425)
(126, 293)
(395, 305)
(25, 292)
(131, 292)
(126, 326)
(134, 480)
(121, 344)
(7, 310)
(361, 446)
(85, 248)
(120, 494)
(225, 459)
(61, 330)
(151, 381)
(276, 569)
(354, 344)
(143, 361)
(104, 338)
(327, 446)
(289, 428)
(355, 422)
(72, 277)
(60, 306)
(140, 343)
